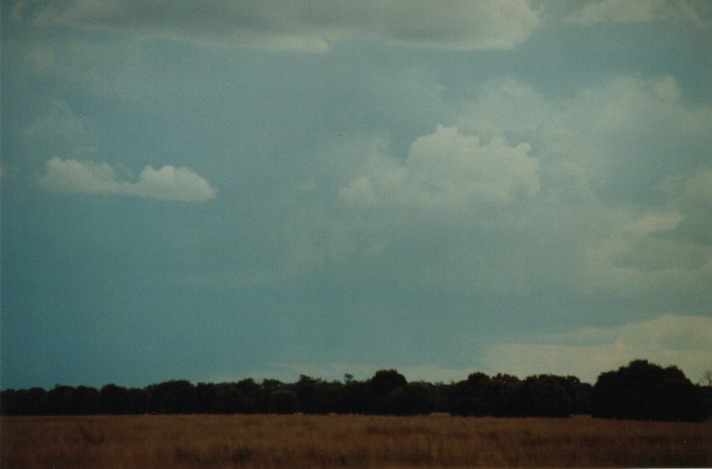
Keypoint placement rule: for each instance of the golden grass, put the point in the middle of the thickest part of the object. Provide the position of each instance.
(162, 441)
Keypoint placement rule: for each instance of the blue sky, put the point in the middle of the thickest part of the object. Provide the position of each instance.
(219, 190)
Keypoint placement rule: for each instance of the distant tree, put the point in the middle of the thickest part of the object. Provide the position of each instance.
(137, 401)
(442, 395)
(251, 393)
(544, 396)
(227, 399)
(707, 378)
(676, 398)
(705, 396)
(59, 400)
(354, 398)
(172, 397)
(8, 402)
(264, 401)
(31, 401)
(580, 395)
(385, 381)
(222, 398)
(499, 395)
(411, 399)
(380, 385)
(467, 397)
(204, 397)
(283, 401)
(316, 396)
(645, 391)
(114, 399)
(85, 401)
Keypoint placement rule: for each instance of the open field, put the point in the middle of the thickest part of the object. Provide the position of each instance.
(347, 440)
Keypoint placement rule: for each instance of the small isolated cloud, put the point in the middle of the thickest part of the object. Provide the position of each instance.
(447, 169)
(684, 341)
(166, 183)
(639, 11)
(308, 25)
(59, 120)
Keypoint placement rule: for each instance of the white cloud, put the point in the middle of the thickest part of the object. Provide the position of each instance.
(639, 257)
(618, 11)
(446, 169)
(166, 183)
(306, 24)
(59, 120)
(640, 11)
(574, 202)
(684, 341)
(699, 186)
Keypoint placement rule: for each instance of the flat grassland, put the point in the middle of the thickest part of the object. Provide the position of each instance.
(146, 441)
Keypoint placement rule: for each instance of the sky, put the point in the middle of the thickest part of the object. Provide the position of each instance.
(219, 190)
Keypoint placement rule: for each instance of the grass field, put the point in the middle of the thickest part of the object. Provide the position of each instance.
(347, 440)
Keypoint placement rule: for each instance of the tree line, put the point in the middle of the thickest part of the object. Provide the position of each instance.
(640, 390)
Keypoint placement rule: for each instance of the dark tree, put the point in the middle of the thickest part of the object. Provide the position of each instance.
(499, 395)
(411, 399)
(645, 391)
(705, 396)
(264, 400)
(204, 397)
(114, 399)
(251, 393)
(59, 400)
(354, 398)
(222, 398)
(580, 394)
(283, 401)
(544, 396)
(23, 401)
(467, 397)
(172, 397)
(138, 401)
(707, 378)
(385, 381)
(8, 402)
(31, 401)
(85, 401)
(380, 385)
(316, 396)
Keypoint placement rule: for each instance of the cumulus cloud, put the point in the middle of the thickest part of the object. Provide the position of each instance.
(447, 169)
(304, 24)
(165, 183)
(684, 341)
(639, 11)
(572, 187)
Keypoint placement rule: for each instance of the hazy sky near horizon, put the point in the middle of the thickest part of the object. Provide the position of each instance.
(219, 190)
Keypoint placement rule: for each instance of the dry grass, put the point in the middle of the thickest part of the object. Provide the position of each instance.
(357, 441)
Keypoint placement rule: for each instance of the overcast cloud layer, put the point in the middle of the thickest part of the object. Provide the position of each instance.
(212, 191)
